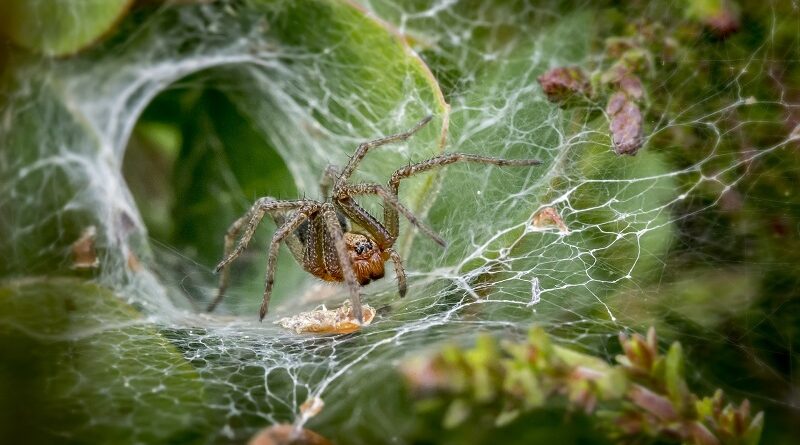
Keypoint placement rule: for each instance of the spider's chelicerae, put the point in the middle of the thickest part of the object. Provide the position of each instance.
(319, 236)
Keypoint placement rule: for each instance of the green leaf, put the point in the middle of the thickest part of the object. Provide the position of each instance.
(753, 434)
(702, 297)
(369, 85)
(57, 28)
(482, 361)
(84, 364)
(522, 382)
(614, 207)
(38, 232)
(506, 417)
(282, 105)
(674, 377)
(456, 414)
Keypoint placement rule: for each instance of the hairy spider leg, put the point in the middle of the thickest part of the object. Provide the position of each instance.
(294, 243)
(335, 230)
(399, 271)
(291, 224)
(253, 216)
(382, 237)
(329, 176)
(355, 212)
(390, 216)
(317, 254)
(363, 148)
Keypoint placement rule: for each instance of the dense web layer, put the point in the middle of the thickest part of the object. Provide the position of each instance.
(314, 98)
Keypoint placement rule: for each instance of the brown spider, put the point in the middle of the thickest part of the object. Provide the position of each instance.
(318, 234)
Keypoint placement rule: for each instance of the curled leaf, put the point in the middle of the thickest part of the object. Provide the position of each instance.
(549, 217)
(84, 255)
(107, 368)
(327, 321)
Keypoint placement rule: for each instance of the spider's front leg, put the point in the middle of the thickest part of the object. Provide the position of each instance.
(390, 215)
(343, 197)
(340, 250)
(363, 148)
(399, 272)
(385, 238)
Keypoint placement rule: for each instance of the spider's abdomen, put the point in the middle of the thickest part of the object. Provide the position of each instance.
(302, 232)
(307, 245)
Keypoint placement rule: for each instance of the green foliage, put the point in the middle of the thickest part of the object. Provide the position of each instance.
(645, 398)
(57, 28)
(81, 366)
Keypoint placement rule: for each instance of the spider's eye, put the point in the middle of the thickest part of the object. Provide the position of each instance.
(363, 247)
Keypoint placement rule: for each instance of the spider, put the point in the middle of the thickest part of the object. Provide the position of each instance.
(319, 234)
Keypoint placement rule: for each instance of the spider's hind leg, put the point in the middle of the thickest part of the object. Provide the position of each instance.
(253, 218)
(291, 224)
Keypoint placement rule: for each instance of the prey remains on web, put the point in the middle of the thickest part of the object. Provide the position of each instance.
(319, 234)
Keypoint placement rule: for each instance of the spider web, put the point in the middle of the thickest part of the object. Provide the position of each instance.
(629, 221)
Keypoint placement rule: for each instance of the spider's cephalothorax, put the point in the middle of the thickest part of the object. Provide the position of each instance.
(318, 233)
(364, 253)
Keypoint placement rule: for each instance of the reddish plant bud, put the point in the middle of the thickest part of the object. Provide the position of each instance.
(285, 434)
(626, 124)
(653, 403)
(724, 23)
(719, 17)
(561, 84)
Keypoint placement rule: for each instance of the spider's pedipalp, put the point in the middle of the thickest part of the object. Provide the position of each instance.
(399, 272)
(357, 213)
(392, 201)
